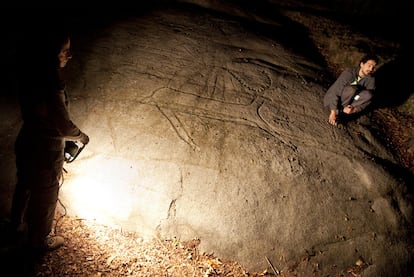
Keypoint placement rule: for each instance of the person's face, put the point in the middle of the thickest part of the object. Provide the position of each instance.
(367, 68)
(64, 55)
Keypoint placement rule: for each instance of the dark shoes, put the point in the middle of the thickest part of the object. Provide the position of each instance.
(53, 242)
(13, 239)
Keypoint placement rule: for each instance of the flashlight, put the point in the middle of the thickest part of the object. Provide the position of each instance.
(72, 150)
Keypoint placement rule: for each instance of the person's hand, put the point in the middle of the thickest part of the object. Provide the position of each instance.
(84, 139)
(349, 109)
(332, 118)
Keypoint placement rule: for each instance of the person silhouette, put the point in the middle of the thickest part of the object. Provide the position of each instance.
(39, 146)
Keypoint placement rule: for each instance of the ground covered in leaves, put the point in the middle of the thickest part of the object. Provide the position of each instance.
(94, 250)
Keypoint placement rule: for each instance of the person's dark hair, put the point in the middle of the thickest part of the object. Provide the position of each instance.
(369, 56)
(38, 48)
(41, 41)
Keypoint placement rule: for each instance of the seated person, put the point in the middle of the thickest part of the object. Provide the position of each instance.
(353, 90)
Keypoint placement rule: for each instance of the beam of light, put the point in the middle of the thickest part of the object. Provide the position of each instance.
(120, 192)
(100, 189)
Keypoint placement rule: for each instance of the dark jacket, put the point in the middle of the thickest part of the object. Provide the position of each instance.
(46, 120)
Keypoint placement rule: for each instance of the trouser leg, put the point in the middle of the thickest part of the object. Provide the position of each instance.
(20, 202)
(21, 195)
(362, 100)
(43, 200)
(347, 95)
(41, 211)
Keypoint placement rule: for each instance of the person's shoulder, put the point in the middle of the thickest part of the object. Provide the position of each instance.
(371, 77)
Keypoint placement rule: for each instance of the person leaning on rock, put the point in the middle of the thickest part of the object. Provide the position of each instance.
(352, 92)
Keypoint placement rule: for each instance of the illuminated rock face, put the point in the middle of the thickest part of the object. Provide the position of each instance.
(202, 127)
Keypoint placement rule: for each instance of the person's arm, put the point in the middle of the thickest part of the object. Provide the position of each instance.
(367, 87)
(333, 94)
(61, 120)
(350, 109)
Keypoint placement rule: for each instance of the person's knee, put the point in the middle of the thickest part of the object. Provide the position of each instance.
(365, 95)
(349, 91)
(347, 94)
